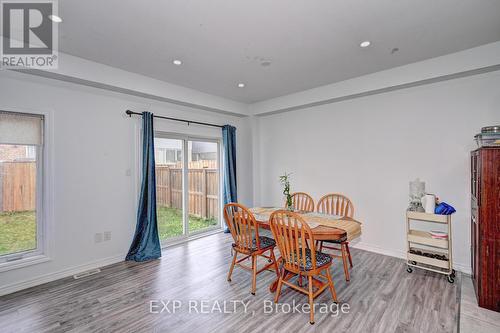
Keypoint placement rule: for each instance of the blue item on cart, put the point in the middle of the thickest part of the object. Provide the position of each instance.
(444, 209)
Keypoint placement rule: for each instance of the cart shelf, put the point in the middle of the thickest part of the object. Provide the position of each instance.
(442, 263)
(428, 217)
(425, 238)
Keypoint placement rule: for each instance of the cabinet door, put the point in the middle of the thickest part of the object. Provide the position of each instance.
(488, 195)
(489, 291)
(474, 221)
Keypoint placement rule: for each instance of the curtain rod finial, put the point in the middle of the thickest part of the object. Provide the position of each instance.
(129, 113)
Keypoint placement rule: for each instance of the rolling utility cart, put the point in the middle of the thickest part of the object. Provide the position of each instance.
(426, 252)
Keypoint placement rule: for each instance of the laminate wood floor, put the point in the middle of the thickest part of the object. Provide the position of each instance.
(474, 319)
(382, 297)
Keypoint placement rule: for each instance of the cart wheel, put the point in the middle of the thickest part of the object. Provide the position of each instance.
(451, 279)
(409, 269)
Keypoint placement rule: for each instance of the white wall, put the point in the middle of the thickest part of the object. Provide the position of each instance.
(94, 145)
(371, 147)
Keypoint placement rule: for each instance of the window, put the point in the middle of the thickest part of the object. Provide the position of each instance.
(31, 152)
(167, 155)
(187, 186)
(171, 156)
(21, 151)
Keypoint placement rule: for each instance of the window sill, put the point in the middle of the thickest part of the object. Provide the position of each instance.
(28, 261)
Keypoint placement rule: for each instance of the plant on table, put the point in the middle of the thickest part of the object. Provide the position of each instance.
(285, 181)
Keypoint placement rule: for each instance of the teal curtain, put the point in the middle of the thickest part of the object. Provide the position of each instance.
(146, 243)
(229, 142)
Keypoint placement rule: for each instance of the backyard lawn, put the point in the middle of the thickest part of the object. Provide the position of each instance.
(170, 222)
(18, 229)
(17, 232)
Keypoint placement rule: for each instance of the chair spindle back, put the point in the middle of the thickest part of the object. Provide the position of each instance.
(291, 233)
(303, 202)
(242, 225)
(336, 204)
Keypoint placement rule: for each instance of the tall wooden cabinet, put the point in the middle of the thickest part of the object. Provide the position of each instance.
(485, 226)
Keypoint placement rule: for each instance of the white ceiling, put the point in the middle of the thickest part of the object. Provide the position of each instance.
(308, 43)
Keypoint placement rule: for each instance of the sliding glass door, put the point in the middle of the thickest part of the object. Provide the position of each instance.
(169, 159)
(203, 194)
(187, 186)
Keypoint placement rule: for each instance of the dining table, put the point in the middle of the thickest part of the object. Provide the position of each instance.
(324, 227)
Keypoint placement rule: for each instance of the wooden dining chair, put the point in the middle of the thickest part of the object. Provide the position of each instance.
(291, 233)
(302, 202)
(247, 241)
(337, 204)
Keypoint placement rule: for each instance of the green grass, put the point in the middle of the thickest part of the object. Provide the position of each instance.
(170, 222)
(18, 229)
(17, 232)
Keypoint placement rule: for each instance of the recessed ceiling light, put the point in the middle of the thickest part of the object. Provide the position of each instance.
(241, 85)
(366, 43)
(55, 18)
(177, 62)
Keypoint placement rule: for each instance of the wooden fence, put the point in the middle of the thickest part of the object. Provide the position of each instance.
(203, 190)
(17, 186)
(201, 164)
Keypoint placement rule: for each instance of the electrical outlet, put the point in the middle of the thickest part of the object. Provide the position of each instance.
(107, 236)
(97, 237)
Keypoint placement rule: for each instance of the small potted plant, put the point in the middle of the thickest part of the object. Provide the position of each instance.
(285, 181)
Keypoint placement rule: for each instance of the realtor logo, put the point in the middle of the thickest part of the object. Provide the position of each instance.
(29, 36)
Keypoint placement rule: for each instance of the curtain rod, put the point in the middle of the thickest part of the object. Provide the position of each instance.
(130, 113)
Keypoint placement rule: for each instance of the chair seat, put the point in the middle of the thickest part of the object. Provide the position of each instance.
(337, 241)
(321, 260)
(265, 242)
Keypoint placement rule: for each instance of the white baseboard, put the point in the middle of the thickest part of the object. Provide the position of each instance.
(466, 269)
(8, 289)
(401, 254)
(378, 249)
